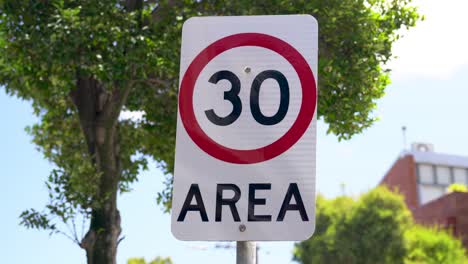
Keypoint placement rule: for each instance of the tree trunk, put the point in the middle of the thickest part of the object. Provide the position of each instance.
(98, 110)
(105, 220)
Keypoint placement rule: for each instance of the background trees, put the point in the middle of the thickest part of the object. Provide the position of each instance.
(81, 63)
(456, 187)
(431, 246)
(157, 260)
(376, 228)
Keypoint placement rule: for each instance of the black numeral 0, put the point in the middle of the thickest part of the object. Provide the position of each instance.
(254, 98)
(233, 96)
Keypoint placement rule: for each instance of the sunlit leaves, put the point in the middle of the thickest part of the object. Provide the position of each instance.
(433, 246)
(157, 260)
(375, 228)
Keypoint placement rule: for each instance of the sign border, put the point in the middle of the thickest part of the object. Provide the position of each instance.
(230, 155)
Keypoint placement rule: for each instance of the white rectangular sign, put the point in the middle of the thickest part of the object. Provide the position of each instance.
(246, 129)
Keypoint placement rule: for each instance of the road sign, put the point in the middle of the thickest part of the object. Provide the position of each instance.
(246, 129)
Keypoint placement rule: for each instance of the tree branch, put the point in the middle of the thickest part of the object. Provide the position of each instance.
(132, 5)
(157, 81)
(120, 240)
(74, 240)
(156, 16)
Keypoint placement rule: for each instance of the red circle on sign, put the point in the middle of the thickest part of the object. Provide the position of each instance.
(306, 113)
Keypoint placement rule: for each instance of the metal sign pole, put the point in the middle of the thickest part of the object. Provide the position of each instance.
(246, 252)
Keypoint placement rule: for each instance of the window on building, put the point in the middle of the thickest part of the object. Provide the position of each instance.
(443, 175)
(460, 175)
(428, 193)
(426, 175)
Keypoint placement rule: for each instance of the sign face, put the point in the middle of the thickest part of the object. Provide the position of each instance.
(246, 129)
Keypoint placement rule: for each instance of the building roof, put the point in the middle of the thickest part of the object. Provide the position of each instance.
(438, 158)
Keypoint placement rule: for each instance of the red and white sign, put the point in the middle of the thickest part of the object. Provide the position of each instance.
(246, 129)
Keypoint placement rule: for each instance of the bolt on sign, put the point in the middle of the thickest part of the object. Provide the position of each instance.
(246, 129)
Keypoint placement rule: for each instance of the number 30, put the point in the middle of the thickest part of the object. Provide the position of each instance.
(233, 96)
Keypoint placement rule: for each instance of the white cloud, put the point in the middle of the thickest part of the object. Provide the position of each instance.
(436, 47)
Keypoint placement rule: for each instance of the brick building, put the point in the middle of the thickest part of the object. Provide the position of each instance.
(423, 176)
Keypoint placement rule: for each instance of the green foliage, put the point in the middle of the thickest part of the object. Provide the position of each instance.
(432, 246)
(457, 187)
(157, 260)
(354, 45)
(350, 231)
(377, 228)
(47, 46)
(329, 214)
(382, 218)
(33, 219)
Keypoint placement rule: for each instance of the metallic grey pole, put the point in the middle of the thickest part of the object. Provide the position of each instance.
(246, 252)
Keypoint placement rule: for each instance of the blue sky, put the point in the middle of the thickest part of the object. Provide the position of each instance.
(429, 94)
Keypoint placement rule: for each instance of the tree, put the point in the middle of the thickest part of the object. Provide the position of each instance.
(328, 214)
(350, 231)
(457, 187)
(433, 246)
(377, 228)
(81, 63)
(157, 260)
